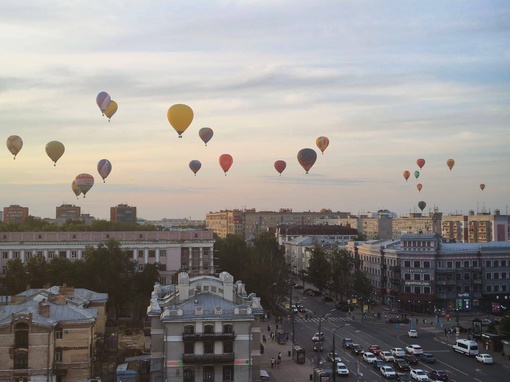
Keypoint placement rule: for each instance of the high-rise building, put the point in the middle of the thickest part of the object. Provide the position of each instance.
(67, 212)
(123, 214)
(476, 228)
(15, 214)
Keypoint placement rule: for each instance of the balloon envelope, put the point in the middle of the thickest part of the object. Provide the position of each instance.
(103, 100)
(180, 117)
(420, 162)
(111, 109)
(226, 161)
(419, 186)
(75, 188)
(306, 158)
(406, 175)
(14, 144)
(422, 205)
(416, 174)
(195, 165)
(205, 134)
(280, 166)
(104, 167)
(55, 150)
(322, 143)
(482, 186)
(84, 182)
(450, 163)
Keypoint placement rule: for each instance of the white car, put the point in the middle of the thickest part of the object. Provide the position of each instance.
(369, 357)
(341, 369)
(485, 358)
(318, 337)
(386, 356)
(412, 333)
(419, 375)
(387, 371)
(414, 349)
(398, 352)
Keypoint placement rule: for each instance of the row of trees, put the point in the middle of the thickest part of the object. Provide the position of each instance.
(105, 269)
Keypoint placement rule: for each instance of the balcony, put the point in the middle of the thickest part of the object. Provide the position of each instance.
(208, 358)
(216, 336)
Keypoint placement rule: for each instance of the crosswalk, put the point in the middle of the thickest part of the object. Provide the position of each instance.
(323, 320)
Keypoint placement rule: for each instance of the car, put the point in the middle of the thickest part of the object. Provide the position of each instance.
(427, 357)
(317, 346)
(412, 333)
(356, 349)
(486, 322)
(411, 359)
(419, 375)
(401, 364)
(369, 357)
(387, 372)
(375, 349)
(327, 298)
(264, 375)
(386, 355)
(414, 349)
(438, 375)
(318, 337)
(397, 352)
(497, 320)
(298, 286)
(294, 309)
(347, 343)
(378, 363)
(335, 358)
(341, 369)
(485, 358)
(311, 292)
(344, 307)
(401, 377)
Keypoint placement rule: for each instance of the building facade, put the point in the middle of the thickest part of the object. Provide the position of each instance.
(204, 329)
(173, 251)
(67, 212)
(123, 213)
(15, 214)
(476, 228)
(50, 334)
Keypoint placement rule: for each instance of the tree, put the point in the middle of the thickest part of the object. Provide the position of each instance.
(37, 269)
(232, 254)
(361, 285)
(341, 272)
(16, 278)
(319, 268)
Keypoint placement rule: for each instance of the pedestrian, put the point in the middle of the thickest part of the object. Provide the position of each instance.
(264, 338)
(278, 362)
(416, 321)
(279, 356)
(276, 326)
(272, 362)
(272, 336)
(306, 316)
(311, 359)
(446, 332)
(268, 328)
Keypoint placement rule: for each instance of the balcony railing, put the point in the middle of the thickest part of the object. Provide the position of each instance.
(208, 358)
(218, 336)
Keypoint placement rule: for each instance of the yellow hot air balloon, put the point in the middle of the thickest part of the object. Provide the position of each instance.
(180, 117)
(111, 109)
(450, 163)
(55, 150)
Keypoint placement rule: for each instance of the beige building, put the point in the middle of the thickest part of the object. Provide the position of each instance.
(476, 228)
(50, 334)
(225, 222)
(204, 329)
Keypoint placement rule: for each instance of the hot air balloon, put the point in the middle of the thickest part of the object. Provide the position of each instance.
(420, 162)
(75, 189)
(206, 133)
(422, 205)
(226, 161)
(103, 100)
(416, 174)
(84, 182)
(55, 150)
(195, 165)
(450, 163)
(180, 117)
(322, 143)
(306, 158)
(280, 166)
(111, 109)
(482, 186)
(104, 167)
(14, 144)
(406, 175)
(419, 186)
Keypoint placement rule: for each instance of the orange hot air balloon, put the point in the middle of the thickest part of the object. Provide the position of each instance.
(14, 144)
(226, 161)
(420, 162)
(419, 186)
(407, 174)
(180, 117)
(280, 165)
(322, 143)
(450, 163)
(482, 186)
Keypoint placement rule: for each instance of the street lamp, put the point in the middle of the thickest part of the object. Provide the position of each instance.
(334, 350)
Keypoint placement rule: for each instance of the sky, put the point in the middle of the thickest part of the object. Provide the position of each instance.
(387, 82)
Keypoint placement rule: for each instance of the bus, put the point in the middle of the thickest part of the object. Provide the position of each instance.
(466, 347)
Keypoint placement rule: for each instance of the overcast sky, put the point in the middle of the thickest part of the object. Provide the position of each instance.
(387, 82)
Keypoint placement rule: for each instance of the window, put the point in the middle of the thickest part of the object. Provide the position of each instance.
(503, 263)
(140, 253)
(152, 253)
(503, 288)
(21, 360)
(426, 290)
(208, 329)
(496, 275)
(488, 276)
(188, 375)
(162, 253)
(416, 264)
(58, 354)
(140, 267)
(15, 255)
(466, 264)
(457, 264)
(496, 288)
(228, 373)
(189, 348)
(426, 264)
(487, 263)
(228, 346)
(503, 275)
(74, 254)
(228, 328)
(449, 264)
(21, 335)
(407, 289)
(189, 329)
(417, 290)
(416, 276)
(426, 277)
(489, 288)
(28, 256)
(475, 263)
(208, 373)
(407, 276)
(63, 254)
(51, 254)
(496, 263)
(407, 264)
(58, 334)
(208, 347)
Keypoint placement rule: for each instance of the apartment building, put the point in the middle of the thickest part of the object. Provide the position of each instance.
(123, 213)
(15, 214)
(476, 228)
(67, 212)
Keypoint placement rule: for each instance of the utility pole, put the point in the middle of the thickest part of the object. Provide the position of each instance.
(334, 351)
(292, 314)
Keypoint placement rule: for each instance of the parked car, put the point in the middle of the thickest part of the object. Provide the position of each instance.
(378, 363)
(334, 358)
(485, 358)
(347, 343)
(401, 364)
(356, 349)
(427, 357)
(419, 375)
(412, 333)
(375, 349)
(401, 377)
(438, 375)
(387, 372)
(486, 322)
(497, 320)
(411, 359)
(341, 369)
(398, 320)
(386, 355)
(311, 292)
(318, 337)
(327, 298)
(397, 352)
(369, 357)
(414, 349)
(298, 286)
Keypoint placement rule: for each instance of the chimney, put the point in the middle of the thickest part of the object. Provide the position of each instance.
(67, 290)
(44, 309)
